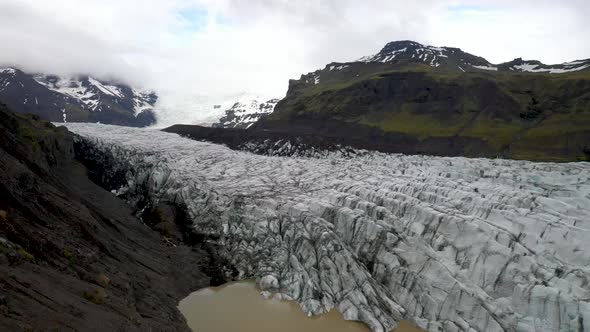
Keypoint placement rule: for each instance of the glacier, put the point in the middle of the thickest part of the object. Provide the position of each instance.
(452, 244)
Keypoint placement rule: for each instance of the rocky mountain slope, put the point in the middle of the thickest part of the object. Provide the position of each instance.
(245, 112)
(73, 256)
(414, 98)
(76, 99)
(452, 244)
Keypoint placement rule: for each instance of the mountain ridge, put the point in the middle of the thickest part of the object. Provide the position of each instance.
(434, 56)
(78, 98)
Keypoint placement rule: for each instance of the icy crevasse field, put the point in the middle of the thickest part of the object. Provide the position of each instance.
(452, 244)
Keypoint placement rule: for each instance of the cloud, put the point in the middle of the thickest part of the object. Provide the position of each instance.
(550, 31)
(223, 47)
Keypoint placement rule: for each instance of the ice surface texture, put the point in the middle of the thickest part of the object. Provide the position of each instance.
(453, 244)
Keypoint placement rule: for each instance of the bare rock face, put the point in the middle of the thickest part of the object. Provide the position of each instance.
(453, 244)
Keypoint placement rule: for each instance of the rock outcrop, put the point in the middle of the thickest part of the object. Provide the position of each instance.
(452, 244)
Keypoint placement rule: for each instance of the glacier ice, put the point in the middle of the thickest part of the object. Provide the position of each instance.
(453, 244)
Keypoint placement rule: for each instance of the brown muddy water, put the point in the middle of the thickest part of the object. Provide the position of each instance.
(239, 307)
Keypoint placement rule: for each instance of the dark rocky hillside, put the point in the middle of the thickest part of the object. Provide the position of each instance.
(76, 99)
(73, 257)
(420, 99)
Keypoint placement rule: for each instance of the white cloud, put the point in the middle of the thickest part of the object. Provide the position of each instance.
(222, 47)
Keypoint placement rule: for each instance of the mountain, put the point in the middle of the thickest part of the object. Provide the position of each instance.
(245, 112)
(81, 98)
(404, 52)
(418, 99)
(454, 59)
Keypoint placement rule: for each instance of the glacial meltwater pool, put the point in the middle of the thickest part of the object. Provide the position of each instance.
(239, 307)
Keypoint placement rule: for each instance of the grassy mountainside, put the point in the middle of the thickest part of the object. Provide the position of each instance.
(444, 110)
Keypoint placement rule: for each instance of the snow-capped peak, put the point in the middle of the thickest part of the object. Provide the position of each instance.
(7, 70)
(252, 104)
(408, 49)
(405, 49)
(433, 56)
(90, 92)
(71, 87)
(7, 75)
(246, 111)
(400, 52)
(79, 97)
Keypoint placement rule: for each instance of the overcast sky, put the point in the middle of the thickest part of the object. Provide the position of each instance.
(212, 47)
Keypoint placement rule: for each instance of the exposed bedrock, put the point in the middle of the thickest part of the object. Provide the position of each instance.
(453, 244)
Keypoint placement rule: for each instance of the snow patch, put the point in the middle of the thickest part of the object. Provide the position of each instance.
(340, 67)
(101, 87)
(575, 63)
(535, 68)
(491, 68)
(439, 49)
(71, 87)
(428, 54)
(8, 71)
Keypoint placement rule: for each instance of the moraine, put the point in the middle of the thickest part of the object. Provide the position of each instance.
(451, 244)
